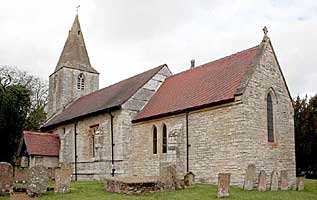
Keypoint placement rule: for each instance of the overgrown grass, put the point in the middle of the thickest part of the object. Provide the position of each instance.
(94, 191)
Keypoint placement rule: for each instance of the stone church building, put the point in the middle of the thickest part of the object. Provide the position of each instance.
(217, 117)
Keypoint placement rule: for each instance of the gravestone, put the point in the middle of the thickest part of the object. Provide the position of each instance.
(300, 183)
(284, 180)
(262, 181)
(223, 185)
(63, 177)
(6, 178)
(274, 181)
(167, 177)
(37, 181)
(189, 179)
(249, 177)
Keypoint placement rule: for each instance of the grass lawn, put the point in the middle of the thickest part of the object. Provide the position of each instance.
(94, 191)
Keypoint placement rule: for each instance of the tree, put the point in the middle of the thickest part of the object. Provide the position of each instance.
(14, 106)
(305, 117)
(38, 88)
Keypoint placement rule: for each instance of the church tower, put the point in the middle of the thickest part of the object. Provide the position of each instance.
(73, 76)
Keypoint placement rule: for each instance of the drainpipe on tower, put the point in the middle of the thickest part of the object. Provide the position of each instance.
(75, 143)
(187, 144)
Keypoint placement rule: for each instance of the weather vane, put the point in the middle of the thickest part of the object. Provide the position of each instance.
(265, 31)
(77, 8)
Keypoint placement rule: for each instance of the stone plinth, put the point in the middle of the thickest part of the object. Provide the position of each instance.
(223, 185)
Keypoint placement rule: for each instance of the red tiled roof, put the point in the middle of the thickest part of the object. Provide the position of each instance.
(106, 98)
(45, 144)
(210, 83)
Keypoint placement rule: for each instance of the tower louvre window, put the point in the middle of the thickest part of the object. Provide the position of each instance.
(81, 82)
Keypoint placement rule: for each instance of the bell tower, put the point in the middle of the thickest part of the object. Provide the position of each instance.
(73, 76)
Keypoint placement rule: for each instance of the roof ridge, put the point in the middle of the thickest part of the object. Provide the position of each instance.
(217, 60)
(102, 89)
(38, 133)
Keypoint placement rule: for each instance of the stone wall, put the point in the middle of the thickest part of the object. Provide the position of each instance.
(227, 138)
(98, 166)
(279, 155)
(63, 88)
(47, 161)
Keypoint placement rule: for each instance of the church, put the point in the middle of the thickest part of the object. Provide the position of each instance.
(215, 118)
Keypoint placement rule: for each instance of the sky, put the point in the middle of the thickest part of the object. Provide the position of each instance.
(127, 37)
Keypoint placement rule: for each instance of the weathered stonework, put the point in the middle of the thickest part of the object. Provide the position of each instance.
(284, 180)
(274, 181)
(249, 177)
(6, 178)
(38, 181)
(223, 185)
(262, 181)
(63, 177)
(300, 183)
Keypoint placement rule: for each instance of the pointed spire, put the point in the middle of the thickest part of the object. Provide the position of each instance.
(74, 54)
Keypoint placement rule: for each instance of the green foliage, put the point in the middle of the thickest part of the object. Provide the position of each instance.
(94, 191)
(306, 135)
(14, 106)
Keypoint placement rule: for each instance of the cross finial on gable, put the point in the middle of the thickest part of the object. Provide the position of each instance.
(265, 31)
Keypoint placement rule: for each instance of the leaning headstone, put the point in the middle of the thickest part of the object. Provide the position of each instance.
(274, 181)
(63, 177)
(284, 180)
(262, 181)
(38, 181)
(167, 177)
(249, 177)
(223, 185)
(189, 179)
(6, 178)
(300, 183)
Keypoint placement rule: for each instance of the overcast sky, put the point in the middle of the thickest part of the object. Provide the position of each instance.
(126, 37)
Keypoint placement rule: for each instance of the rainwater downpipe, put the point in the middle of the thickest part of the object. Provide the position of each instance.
(187, 144)
(112, 145)
(75, 143)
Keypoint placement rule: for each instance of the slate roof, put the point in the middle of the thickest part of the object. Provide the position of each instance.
(44, 144)
(202, 86)
(74, 54)
(111, 97)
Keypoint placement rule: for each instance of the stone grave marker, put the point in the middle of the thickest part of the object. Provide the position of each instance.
(167, 177)
(37, 181)
(6, 178)
(249, 177)
(262, 181)
(189, 179)
(300, 183)
(223, 185)
(274, 181)
(20, 196)
(284, 180)
(63, 177)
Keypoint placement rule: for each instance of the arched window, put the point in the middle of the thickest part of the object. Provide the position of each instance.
(154, 140)
(164, 145)
(270, 118)
(81, 82)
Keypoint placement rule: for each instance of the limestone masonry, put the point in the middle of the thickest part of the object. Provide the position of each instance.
(230, 116)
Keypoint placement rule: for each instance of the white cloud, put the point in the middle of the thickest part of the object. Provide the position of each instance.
(127, 37)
